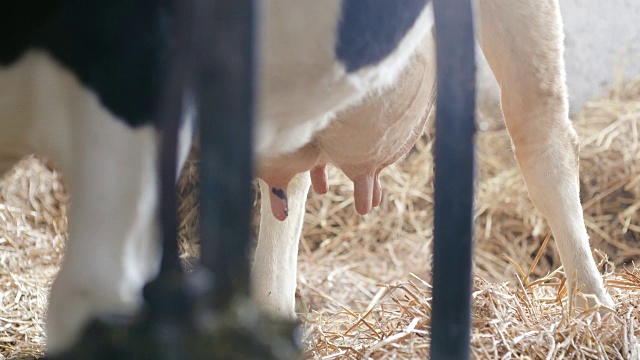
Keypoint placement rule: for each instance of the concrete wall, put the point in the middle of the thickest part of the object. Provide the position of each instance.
(602, 46)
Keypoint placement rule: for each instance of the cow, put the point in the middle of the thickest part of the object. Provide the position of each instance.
(342, 82)
(523, 44)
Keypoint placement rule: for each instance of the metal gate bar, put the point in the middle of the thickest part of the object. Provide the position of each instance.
(454, 179)
(227, 112)
(175, 97)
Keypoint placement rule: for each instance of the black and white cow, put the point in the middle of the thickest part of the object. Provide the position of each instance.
(79, 81)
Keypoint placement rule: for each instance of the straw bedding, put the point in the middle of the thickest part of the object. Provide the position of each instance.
(364, 281)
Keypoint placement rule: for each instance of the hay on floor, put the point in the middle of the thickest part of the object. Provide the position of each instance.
(33, 227)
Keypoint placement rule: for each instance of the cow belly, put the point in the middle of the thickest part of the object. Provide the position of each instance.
(363, 139)
(302, 82)
(384, 127)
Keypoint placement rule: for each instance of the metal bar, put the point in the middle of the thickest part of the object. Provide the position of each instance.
(171, 108)
(227, 111)
(454, 180)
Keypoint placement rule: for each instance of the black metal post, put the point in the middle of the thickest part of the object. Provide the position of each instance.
(454, 180)
(178, 89)
(227, 112)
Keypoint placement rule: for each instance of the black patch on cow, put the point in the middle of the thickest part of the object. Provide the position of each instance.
(369, 30)
(18, 22)
(118, 48)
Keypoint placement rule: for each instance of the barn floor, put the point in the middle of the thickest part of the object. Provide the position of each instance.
(364, 281)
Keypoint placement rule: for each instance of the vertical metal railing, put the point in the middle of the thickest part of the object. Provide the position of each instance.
(226, 171)
(454, 180)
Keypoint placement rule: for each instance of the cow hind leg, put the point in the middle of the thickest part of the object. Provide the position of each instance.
(523, 43)
(112, 249)
(275, 265)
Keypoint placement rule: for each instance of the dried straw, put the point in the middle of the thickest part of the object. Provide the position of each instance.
(33, 227)
(364, 281)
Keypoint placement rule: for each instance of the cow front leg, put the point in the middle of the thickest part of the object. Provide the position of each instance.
(523, 43)
(113, 247)
(276, 258)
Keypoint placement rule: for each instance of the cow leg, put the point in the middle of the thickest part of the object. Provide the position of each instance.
(112, 249)
(275, 265)
(523, 43)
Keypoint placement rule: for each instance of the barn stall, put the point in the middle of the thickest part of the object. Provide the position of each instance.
(363, 287)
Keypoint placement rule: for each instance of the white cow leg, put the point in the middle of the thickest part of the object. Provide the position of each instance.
(522, 40)
(275, 265)
(113, 247)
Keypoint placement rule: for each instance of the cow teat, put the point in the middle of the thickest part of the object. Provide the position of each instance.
(367, 192)
(277, 173)
(320, 179)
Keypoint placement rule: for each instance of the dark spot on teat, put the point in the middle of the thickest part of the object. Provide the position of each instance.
(279, 193)
(282, 196)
